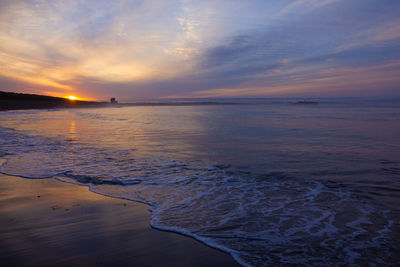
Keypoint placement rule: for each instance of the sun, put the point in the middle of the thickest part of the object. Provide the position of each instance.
(71, 97)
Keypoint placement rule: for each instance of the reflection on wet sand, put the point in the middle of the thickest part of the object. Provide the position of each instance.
(47, 222)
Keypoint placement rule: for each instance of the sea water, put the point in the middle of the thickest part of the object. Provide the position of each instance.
(268, 182)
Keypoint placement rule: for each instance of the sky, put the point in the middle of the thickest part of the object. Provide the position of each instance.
(146, 49)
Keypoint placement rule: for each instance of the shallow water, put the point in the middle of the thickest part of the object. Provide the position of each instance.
(272, 183)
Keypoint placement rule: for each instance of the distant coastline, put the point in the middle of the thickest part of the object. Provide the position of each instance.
(22, 101)
(18, 101)
(15, 101)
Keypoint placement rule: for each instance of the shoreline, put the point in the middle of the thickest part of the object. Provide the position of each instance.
(49, 222)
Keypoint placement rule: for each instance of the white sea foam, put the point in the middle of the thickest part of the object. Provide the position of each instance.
(259, 219)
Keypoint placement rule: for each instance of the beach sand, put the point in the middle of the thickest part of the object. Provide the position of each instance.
(47, 222)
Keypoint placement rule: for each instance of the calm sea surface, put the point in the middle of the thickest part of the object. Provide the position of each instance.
(272, 183)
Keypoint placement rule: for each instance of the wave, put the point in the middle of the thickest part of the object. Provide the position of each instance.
(259, 219)
(99, 116)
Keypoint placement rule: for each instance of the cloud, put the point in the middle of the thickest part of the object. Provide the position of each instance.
(141, 49)
(304, 82)
(51, 43)
(381, 35)
(303, 6)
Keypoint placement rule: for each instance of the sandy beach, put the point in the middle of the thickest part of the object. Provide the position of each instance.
(47, 222)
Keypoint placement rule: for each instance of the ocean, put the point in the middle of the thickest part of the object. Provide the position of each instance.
(270, 182)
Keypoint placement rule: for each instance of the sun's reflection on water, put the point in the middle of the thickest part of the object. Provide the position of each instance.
(72, 127)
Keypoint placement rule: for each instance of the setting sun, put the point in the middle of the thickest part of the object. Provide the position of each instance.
(71, 97)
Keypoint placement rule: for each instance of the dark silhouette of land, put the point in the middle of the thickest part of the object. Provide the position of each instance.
(13, 101)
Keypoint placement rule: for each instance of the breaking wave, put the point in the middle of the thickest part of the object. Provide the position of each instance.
(259, 219)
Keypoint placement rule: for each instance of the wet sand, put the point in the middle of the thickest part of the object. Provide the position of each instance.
(46, 222)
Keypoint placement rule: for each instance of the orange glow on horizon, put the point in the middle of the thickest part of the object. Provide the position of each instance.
(74, 98)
